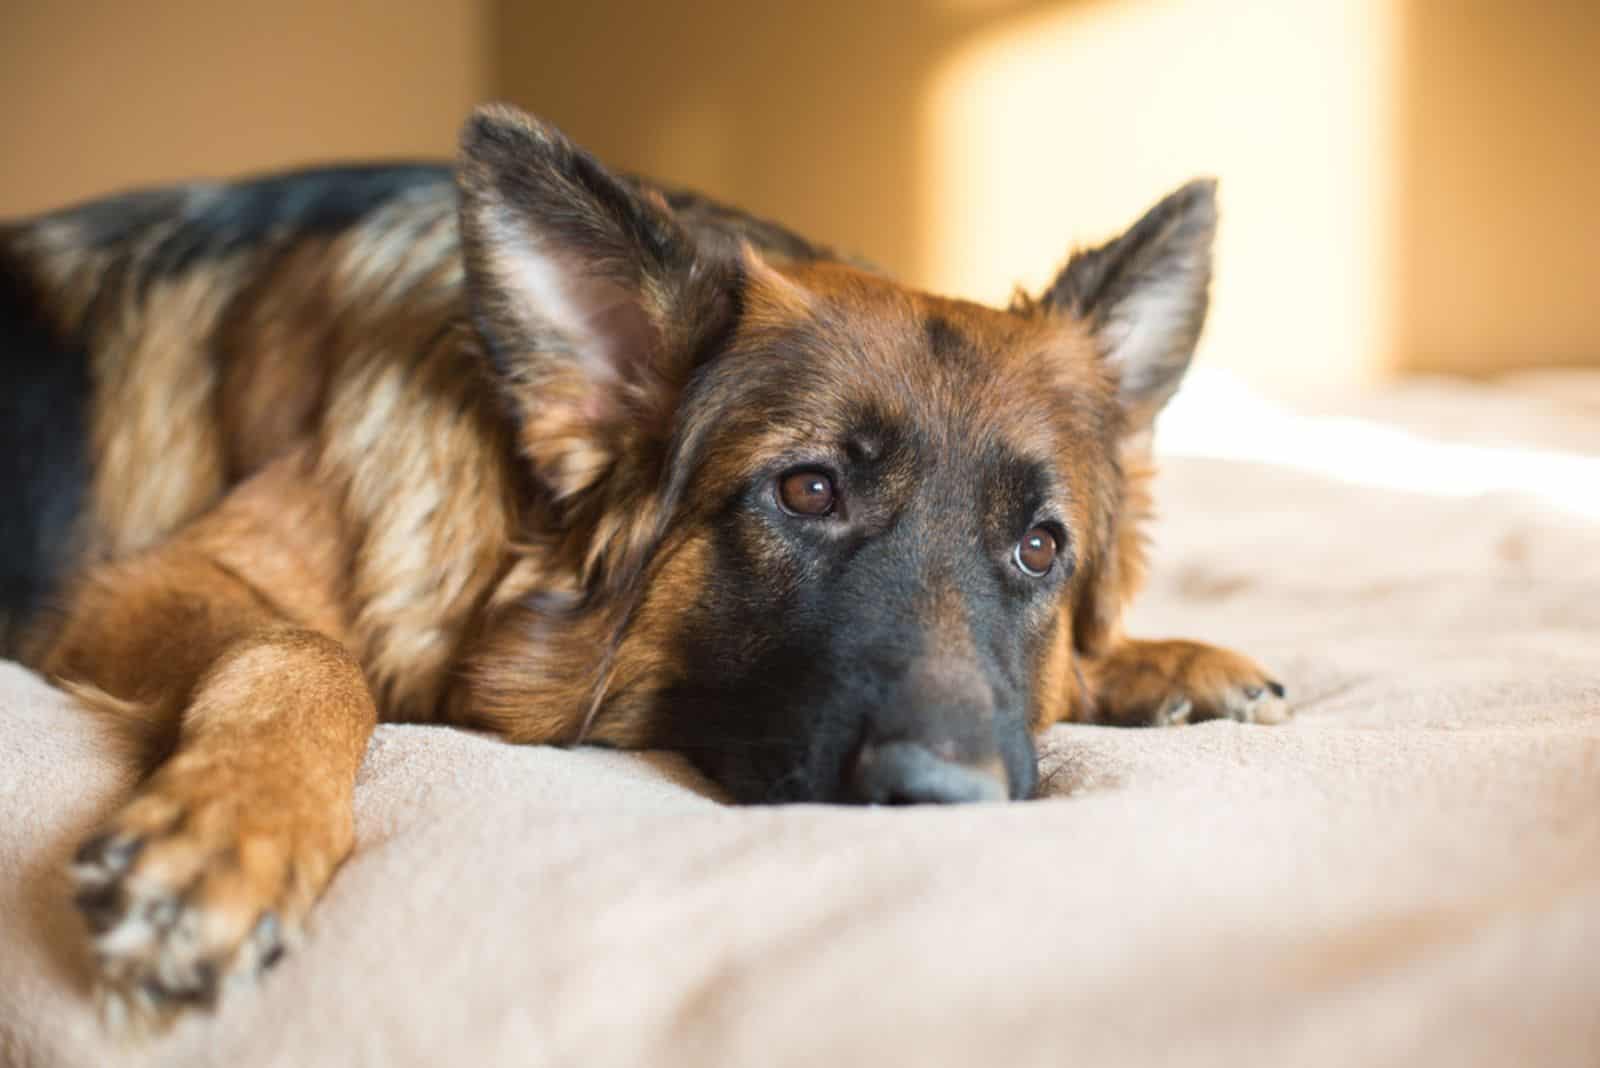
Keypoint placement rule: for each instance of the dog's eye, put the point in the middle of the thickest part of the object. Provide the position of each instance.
(1036, 552)
(808, 493)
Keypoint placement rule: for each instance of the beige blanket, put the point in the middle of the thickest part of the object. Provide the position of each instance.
(1408, 873)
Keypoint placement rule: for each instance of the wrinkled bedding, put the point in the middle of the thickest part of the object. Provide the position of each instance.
(1407, 873)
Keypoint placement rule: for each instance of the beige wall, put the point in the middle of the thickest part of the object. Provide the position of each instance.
(104, 94)
(1063, 126)
(1407, 184)
(1499, 242)
(809, 112)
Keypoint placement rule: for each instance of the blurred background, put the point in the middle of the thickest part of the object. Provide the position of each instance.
(1407, 185)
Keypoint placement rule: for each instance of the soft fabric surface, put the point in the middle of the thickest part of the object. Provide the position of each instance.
(1408, 873)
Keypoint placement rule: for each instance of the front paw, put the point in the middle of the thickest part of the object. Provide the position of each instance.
(1168, 683)
(189, 888)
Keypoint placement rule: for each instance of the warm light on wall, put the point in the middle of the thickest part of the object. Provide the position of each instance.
(1062, 127)
(1406, 184)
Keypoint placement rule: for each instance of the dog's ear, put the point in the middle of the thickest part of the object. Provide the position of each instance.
(593, 299)
(1143, 298)
(1144, 295)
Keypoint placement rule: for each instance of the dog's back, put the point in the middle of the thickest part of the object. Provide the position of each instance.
(159, 346)
(121, 324)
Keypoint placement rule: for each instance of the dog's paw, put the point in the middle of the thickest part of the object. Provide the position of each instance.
(1170, 683)
(188, 890)
(1247, 703)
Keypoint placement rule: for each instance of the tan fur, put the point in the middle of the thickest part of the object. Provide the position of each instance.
(1164, 683)
(224, 646)
(157, 444)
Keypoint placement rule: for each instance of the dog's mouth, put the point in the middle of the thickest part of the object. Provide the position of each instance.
(907, 773)
(895, 772)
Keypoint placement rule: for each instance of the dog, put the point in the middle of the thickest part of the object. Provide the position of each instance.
(531, 446)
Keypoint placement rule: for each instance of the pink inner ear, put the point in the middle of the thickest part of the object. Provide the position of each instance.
(618, 356)
(603, 323)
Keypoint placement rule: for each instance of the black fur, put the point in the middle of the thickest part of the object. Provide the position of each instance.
(811, 664)
(703, 215)
(215, 221)
(945, 342)
(44, 467)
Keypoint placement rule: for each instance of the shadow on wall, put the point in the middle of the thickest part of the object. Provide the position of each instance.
(1499, 111)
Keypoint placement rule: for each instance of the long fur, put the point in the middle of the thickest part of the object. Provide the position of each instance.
(499, 446)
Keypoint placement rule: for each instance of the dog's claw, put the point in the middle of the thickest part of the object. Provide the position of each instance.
(1258, 707)
(1176, 711)
(180, 908)
(1170, 683)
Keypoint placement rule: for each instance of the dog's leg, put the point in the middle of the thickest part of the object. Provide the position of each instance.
(1162, 683)
(221, 649)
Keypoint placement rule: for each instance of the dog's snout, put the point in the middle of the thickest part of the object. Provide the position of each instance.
(907, 773)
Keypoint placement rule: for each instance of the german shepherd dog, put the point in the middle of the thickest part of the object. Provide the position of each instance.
(534, 447)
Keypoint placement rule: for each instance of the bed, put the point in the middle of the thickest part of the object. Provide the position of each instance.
(1409, 872)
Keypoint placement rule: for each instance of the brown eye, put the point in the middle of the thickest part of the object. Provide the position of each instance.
(807, 493)
(1036, 552)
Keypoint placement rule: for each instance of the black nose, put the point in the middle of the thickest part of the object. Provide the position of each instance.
(905, 773)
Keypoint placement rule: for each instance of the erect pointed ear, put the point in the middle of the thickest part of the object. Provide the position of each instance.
(594, 301)
(1144, 296)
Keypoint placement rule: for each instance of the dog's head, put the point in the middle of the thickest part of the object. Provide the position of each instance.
(848, 539)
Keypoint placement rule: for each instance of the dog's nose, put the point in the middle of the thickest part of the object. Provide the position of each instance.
(905, 773)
